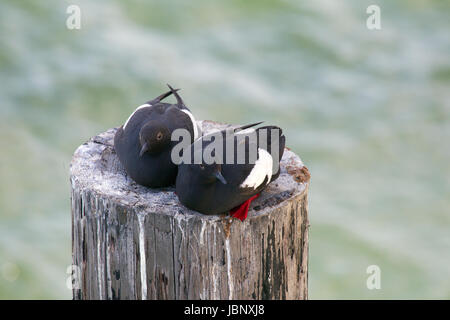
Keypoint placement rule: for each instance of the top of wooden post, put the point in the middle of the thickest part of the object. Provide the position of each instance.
(95, 167)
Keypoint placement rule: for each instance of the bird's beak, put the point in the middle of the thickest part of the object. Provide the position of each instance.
(144, 149)
(220, 177)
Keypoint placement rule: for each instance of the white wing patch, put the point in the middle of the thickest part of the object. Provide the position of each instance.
(194, 123)
(261, 170)
(140, 107)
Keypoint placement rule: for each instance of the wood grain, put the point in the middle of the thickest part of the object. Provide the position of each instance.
(132, 242)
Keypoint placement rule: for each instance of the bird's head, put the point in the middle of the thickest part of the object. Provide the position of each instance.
(153, 137)
(208, 173)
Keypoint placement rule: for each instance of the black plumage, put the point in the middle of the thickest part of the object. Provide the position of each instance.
(217, 188)
(143, 144)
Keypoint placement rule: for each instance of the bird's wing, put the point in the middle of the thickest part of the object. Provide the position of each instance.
(145, 105)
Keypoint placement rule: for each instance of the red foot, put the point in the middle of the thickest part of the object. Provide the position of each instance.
(241, 211)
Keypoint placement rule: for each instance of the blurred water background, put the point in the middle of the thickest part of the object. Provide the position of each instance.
(368, 112)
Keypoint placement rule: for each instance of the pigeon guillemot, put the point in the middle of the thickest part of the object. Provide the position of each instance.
(216, 188)
(143, 144)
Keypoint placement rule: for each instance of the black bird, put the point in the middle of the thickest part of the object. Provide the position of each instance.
(228, 184)
(143, 144)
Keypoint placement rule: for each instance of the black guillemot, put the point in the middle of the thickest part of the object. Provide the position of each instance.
(227, 184)
(143, 144)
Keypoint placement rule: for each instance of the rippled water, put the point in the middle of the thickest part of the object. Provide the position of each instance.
(368, 112)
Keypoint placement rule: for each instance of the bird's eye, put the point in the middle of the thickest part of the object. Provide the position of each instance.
(202, 167)
(159, 136)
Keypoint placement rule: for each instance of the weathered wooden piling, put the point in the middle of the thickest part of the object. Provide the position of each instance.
(132, 242)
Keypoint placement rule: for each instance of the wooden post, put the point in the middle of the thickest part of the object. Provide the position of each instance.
(132, 242)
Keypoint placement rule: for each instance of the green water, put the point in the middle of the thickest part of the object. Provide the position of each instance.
(368, 112)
